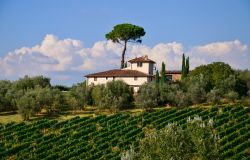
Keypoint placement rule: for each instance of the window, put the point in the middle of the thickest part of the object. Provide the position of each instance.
(95, 78)
(106, 78)
(139, 64)
(113, 78)
(135, 78)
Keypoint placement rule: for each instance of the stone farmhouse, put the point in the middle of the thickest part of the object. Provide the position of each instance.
(140, 71)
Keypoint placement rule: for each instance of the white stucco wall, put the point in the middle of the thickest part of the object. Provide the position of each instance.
(129, 80)
(100, 80)
(146, 67)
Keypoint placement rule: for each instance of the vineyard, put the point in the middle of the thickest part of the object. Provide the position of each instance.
(106, 137)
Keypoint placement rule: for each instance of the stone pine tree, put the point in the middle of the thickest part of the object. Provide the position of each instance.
(163, 73)
(157, 77)
(124, 33)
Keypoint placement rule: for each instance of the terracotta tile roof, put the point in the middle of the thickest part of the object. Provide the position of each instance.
(173, 72)
(119, 73)
(141, 59)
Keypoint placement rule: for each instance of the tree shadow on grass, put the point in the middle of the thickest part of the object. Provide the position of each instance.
(8, 113)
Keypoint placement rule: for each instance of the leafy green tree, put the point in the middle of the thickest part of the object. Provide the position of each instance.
(163, 73)
(215, 73)
(157, 77)
(228, 84)
(147, 97)
(52, 100)
(164, 94)
(5, 102)
(97, 94)
(40, 81)
(196, 141)
(5, 85)
(196, 88)
(26, 106)
(181, 99)
(58, 102)
(27, 82)
(115, 95)
(118, 95)
(173, 95)
(24, 83)
(72, 102)
(243, 82)
(124, 33)
(82, 93)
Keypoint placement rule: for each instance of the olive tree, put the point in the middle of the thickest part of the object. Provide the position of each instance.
(214, 96)
(80, 95)
(147, 97)
(26, 106)
(97, 95)
(232, 96)
(115, 95)
(5, 103)
(196, 141)
(195, 87)
(173, 95)
(52, 100)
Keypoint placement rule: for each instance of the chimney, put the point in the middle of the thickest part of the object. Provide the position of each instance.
(146, 57)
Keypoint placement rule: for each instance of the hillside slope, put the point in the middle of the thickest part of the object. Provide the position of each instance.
(106, 137)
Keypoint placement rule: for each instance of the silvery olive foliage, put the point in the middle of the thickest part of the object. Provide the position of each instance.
(194, 141)
(147, 97)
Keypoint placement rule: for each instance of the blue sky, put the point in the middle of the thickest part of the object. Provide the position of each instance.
(205, 30)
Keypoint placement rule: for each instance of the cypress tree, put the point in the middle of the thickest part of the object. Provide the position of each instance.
(163, 73)
(183, 67)
(125, 65)
(187, 66)
(157, 77)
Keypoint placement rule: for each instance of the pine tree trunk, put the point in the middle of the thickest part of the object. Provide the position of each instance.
(123, 54)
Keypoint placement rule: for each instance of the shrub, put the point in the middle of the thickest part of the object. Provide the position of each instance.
(214, 96)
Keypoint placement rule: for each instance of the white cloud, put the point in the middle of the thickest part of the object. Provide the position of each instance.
(219, 49)
(68, 60)
(169, 53)
(233, 52)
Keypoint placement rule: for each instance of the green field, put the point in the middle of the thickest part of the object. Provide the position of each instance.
(106, 137)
